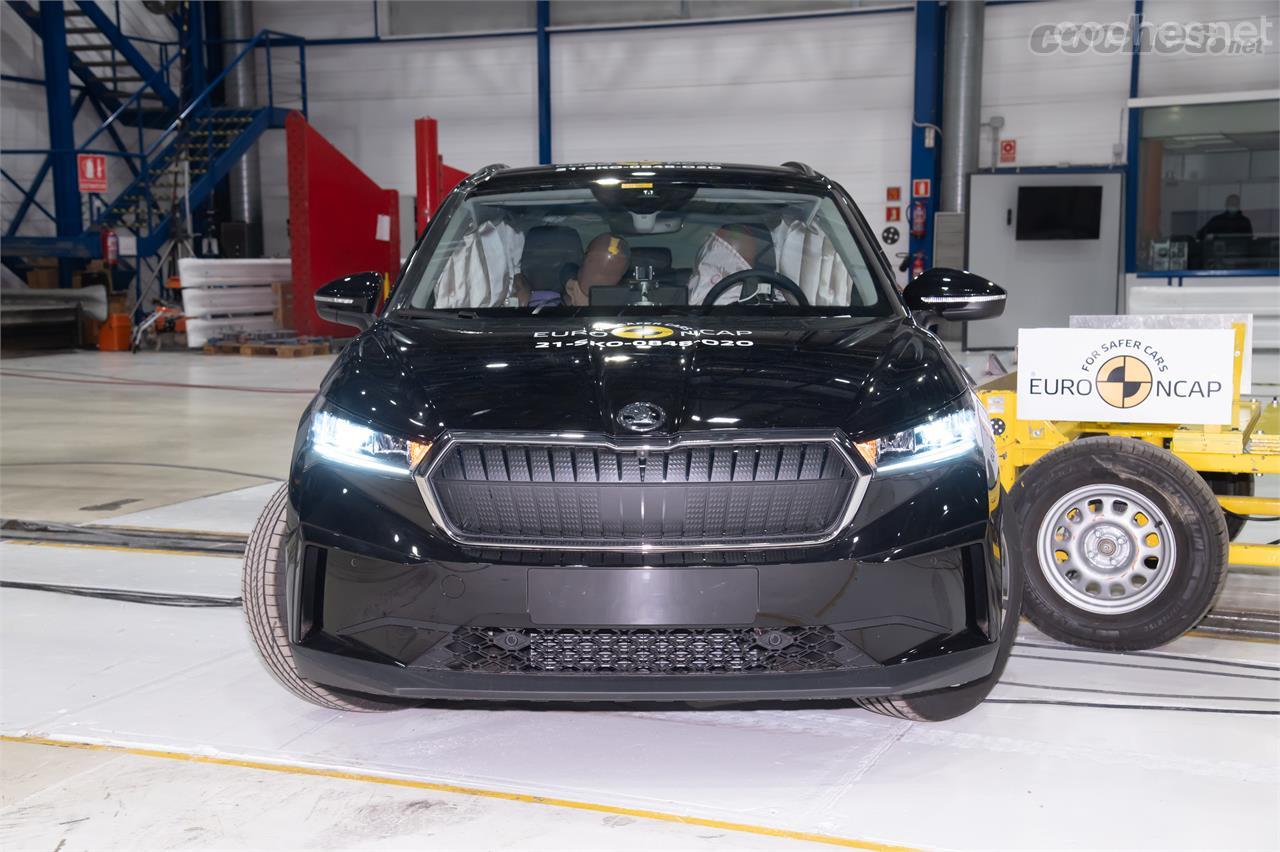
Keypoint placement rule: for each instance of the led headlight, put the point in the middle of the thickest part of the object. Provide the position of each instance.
(943, 436)
(346, 442)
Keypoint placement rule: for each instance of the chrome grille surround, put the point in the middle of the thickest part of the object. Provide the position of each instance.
(857, 477)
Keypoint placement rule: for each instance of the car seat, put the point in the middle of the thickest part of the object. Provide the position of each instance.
(552, 253)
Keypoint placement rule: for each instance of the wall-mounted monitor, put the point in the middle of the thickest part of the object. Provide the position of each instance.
(1059, 212)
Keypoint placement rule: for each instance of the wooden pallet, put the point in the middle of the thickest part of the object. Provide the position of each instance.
(280, 349)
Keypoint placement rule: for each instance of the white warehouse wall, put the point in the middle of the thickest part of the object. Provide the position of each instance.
(1184, 74)
(364, 99)
(835, 93)
(1061, 109)
(1072, 109)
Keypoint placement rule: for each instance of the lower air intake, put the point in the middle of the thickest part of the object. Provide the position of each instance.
(676, 650)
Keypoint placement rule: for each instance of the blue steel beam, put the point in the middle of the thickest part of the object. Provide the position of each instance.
(88, 79)
(28, 198)
(193, 78)
(151, 77)
(1134, 150)
(544, 81)
(101, 110)
(85, 247)
(927, 109)
(62, 140)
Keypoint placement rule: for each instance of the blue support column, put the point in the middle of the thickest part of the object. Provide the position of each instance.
(927, 109)
(1134, 149)
(544, 81)
(62, 140)
(195, 77)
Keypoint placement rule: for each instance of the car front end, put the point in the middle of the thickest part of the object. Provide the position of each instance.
(643, 475)
(784, 557)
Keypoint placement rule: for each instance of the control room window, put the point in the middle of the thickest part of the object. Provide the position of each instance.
(1209, 187)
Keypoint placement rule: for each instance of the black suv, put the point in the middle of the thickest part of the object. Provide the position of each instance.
(641, 431)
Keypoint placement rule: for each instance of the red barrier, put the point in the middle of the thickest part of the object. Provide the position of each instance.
(435, 179)
(340, 222)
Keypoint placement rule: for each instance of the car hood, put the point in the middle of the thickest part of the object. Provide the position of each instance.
(425, 377)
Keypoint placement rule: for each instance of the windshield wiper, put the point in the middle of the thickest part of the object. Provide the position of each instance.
(424, 313)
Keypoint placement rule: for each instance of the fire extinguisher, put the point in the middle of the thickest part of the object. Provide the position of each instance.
(110, 247)
(917, 264)
(918, 217)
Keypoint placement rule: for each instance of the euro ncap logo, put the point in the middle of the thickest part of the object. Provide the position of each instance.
(1124, 381)
(642, 332)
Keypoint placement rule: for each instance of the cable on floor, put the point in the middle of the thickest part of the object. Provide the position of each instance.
(1164, 707)
(153, 598)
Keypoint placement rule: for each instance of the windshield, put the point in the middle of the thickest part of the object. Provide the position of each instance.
(615, 247)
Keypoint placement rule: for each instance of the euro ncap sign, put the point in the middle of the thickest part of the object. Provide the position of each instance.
(1126, 375)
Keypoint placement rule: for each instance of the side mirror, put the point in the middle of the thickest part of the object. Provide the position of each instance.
(954, 294)
(352, 300)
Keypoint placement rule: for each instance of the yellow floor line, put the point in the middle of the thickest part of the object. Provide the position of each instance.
(1209, 634)
(35, 542)
(660, 816)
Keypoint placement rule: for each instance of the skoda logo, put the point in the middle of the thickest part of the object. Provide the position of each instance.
(641, 416)
(1124, 381)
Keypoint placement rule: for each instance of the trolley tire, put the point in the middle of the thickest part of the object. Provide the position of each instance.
(943, 704)
(263, 593)
(1197, 525)
(1231, 485)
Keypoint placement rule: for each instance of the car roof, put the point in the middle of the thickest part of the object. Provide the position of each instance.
(787, 176)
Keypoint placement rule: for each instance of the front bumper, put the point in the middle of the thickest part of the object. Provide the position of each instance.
(906, 600)
(886, 628)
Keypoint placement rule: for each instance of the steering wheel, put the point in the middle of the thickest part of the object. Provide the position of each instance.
(776, 280)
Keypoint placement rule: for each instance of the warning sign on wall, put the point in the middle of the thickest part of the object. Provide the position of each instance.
(921, 187)
(1008, 150)
(92, 169)
(893, 214)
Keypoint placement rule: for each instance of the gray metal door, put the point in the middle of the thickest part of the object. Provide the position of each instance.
(1047, 280)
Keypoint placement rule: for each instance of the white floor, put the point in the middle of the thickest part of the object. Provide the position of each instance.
(1171, 749)
(1175, 749)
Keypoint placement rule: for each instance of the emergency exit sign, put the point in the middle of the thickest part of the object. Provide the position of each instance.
(92, 169)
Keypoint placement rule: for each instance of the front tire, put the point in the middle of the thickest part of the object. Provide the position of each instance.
(943, 704)
(1124, 544)
(263, 592)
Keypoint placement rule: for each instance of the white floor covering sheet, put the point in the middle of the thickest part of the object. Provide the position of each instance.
(230, 512)
(1175, 749)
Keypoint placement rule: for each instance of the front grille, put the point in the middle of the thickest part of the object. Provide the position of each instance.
(676, 650)
(739, 493)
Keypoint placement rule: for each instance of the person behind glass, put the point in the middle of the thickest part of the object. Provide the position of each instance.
(1230, 222)
(603, 265)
